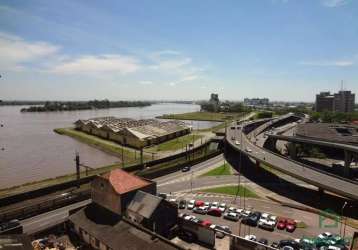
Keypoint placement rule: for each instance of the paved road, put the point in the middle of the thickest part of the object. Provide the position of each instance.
(311, 176)
(52, 218)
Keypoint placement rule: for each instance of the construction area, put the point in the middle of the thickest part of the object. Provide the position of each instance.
(133, 133)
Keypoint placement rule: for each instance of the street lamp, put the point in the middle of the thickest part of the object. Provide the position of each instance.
(344, 205)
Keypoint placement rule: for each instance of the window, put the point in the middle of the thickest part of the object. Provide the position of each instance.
(102, 185)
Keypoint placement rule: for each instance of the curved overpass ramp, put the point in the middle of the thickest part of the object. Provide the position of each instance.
(320, 179)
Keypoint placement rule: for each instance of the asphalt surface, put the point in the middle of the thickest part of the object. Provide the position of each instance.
(44, 221)
(310, 176)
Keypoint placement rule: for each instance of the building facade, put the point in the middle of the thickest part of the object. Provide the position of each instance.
(343, 102)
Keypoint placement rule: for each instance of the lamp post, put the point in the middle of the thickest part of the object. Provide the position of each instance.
(340, 229)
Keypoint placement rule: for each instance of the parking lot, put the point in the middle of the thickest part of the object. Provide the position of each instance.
(311, 228)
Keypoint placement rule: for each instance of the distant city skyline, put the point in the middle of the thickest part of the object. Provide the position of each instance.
(284, 50)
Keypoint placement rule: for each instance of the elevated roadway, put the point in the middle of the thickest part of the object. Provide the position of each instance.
(320, 179)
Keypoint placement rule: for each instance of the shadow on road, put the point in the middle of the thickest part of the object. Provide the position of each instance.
(307, 196)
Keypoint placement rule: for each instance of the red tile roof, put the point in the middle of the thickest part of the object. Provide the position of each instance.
(124, 182)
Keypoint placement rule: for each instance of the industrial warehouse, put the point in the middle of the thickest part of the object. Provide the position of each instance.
(133, 133)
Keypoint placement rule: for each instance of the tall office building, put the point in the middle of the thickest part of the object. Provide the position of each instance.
(343, 101)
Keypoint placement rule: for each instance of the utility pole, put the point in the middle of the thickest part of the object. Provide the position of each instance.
(141, 155)
(77, 160)
(122, 157)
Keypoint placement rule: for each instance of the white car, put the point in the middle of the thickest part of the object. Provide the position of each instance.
(265, 216)
(232, 209)
(215, 203)
(222, 207)
(231, 216)
(325, 235)
(173, 201)
(239, 211)
(267, 224)
(246, 213)
(237, 142)
(250, 237)
(248, 150)
(189, 217)
(191, 204)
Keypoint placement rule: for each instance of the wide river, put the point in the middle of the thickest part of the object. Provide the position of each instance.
(30, 150)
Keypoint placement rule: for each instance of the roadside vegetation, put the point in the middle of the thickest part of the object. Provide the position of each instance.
(176, 143)
(224, 169)
(232, 190)
(204, 116)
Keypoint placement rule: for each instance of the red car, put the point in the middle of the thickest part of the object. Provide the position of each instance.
(214, 212)
(281, 224)
(206, 223)
(290, 226)
(199, 203)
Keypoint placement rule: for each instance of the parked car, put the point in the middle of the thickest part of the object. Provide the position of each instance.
(252, 219)
(266, 224)
(290, 226)
(263, 241)
(325, 235)
(199, 203)
(245, 213)
(231, 216)
(222, 207)
(197, 220)
(232, 137)
(189, 217)
(237, 142)
(289, 243)
(185, 169)
(281, 224)
(274, 244)
(182, 204)
(200, 210)
(206, 223)
(248, 150)
(214, 212)
(250, 237)
(173, 201)
(232, 209)
(223, 228)
(163, 195)
(191, 204)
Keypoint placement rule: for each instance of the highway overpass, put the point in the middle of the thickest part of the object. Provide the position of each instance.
(349, 150)
(320, 179)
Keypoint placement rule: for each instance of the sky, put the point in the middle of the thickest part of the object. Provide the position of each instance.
(286, 50)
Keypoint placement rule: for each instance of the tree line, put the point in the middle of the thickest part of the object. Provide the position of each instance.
(93, 104)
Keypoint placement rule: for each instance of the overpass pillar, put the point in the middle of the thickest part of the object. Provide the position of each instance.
(320, 191)
(292, 150)
(347, 163)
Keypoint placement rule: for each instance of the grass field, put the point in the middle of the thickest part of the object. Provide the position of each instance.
(232, 190)
(224, 169)
(204, 116)
(175, 144)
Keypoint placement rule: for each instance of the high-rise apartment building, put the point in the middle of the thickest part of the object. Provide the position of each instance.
(343, 101)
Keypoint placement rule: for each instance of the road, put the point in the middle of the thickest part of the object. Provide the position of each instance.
(310, 176)
(50, 219)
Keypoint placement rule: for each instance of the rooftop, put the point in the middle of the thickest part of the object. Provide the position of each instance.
(116, 232)
(123, 181)
(342, 133)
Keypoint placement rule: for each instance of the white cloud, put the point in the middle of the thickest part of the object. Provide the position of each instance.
(146, 82)
(172, 84)
(337, 63)
(98, 63)
(15, 51)
(333, 3)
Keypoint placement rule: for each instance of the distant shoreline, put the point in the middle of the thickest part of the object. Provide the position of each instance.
(90, 105)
